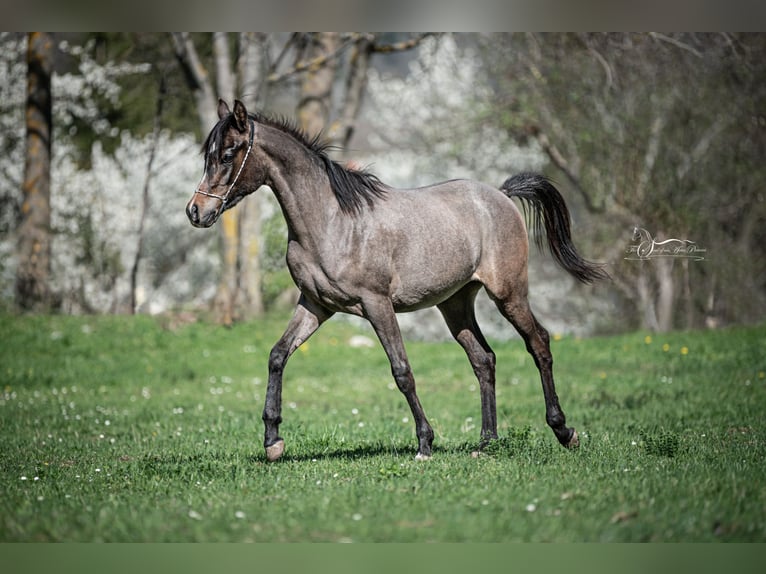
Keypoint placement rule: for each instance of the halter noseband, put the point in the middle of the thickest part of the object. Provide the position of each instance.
(225, 197)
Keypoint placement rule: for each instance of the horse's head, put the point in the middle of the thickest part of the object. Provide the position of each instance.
(231, 171)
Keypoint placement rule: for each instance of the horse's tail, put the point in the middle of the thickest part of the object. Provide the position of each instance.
(543, 205)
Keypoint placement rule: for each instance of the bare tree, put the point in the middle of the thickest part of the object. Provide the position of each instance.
(145, 195)
(643, 128)
(251, 70)
(199, 81)
(34, 233)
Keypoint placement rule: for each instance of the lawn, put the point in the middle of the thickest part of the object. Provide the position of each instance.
(136, 429)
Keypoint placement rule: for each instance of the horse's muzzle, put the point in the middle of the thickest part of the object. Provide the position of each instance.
(199, 219)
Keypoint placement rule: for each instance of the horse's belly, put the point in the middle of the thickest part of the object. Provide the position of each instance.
(428, 287)
(404, 303)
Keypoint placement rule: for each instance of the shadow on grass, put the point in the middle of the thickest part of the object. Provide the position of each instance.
(519, 443)
(366, 451)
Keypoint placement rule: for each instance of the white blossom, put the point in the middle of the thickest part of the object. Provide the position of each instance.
(428, 125)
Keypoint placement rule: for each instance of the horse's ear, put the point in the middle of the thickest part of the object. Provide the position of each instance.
(240, 116)
(223, 109)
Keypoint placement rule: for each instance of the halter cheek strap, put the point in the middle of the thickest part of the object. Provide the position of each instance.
(225, 197)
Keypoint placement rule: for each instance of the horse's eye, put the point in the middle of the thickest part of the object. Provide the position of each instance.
(228, 157)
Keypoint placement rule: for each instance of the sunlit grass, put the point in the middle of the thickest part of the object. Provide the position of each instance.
(119, 429)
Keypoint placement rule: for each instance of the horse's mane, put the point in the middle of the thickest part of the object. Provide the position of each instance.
(353, 188)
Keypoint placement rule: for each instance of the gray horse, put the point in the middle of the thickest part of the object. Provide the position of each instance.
(361, 247)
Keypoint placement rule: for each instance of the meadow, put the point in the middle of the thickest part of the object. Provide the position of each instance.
(127, 429)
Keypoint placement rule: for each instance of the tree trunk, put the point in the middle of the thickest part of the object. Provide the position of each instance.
(316, 89)
(145, 197)
(646, 303)
(251, 73)
(34, 242)
(197, 79)
(665, 294)
(227, 289)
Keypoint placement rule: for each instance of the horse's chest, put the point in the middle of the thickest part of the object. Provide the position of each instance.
(312, 279)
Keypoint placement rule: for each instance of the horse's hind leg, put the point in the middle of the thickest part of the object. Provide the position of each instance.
(458, 312)
(515, 307)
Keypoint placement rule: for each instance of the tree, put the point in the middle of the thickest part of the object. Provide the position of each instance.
(644, 128)
(102, 140)
(251, 70)
(145, 197)
(239, 287)
(34, 234)
(662, 132)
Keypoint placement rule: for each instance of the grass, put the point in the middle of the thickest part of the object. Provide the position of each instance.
(123, 429)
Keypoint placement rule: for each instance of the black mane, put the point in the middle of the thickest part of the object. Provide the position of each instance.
(352, 188)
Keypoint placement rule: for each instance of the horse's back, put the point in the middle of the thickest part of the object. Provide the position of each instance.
(466, 207)
(468, 197)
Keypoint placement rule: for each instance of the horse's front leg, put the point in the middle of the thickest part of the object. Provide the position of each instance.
(381, 315)
(306, 319)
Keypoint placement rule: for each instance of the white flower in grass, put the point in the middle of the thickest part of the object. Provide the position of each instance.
(194, 515)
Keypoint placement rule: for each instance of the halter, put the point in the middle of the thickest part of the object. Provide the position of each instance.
(225, 197)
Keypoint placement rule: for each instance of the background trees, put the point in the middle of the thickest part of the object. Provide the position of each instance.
(662, 132)
(659, 131)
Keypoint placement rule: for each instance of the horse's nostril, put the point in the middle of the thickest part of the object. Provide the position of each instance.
(193, 213)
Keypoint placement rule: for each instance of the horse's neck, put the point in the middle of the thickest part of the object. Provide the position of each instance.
(301, 187)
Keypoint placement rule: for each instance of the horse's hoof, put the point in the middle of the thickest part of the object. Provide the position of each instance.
(574, 442)
(421, 456)
(274, 451)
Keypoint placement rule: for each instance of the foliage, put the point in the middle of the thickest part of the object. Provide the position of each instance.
(96, 216)
(12, 94)
(435, 122)
(95, 192)
(145, 429)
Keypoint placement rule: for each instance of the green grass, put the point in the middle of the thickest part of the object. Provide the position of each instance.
(120, 429)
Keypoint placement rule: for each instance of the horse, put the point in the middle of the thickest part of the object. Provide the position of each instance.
(358, 246)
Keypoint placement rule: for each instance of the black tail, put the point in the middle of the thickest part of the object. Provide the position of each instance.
(543, 205)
